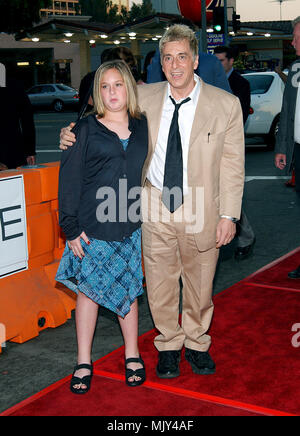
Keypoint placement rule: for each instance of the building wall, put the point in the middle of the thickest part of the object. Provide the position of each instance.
(166, 6)
(231, 4)
(60, 7)
(264, 52)
(67, 7)
(30, 51)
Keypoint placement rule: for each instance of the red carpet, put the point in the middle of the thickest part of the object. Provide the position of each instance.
(256, 362)
(275, 274)
(258, 371)
(113, 398)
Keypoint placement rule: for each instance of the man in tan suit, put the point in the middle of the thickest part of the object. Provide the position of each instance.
(184, 243)
(212, 136)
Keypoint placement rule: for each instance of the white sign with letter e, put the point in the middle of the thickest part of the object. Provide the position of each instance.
(13, 233)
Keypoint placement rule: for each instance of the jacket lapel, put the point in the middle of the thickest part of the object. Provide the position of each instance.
(154, 113)
(152, 105)
(203, 113)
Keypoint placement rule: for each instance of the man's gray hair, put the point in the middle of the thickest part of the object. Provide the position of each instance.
(180, 32)
(295, 22)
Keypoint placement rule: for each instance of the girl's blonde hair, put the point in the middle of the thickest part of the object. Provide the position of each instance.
(130, 84)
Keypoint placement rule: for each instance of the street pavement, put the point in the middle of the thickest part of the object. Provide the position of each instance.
(273, 210)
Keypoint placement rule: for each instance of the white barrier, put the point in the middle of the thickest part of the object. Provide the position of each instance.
(13, 234)
(31, 246)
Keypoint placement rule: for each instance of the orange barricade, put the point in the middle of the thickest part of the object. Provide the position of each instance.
(31, 300)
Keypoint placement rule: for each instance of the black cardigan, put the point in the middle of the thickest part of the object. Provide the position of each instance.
(91, 174)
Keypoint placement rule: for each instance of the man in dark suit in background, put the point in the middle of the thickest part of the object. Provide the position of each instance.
(287, 149)
(241, 89)
(17, 143)
(239, 86)
(87, 84)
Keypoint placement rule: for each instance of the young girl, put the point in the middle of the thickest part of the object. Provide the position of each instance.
(102, 259)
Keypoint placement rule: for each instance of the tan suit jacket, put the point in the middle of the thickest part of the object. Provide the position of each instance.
(216, 153)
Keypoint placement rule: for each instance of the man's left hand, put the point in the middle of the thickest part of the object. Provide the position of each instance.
(226, 231)
(30, 160)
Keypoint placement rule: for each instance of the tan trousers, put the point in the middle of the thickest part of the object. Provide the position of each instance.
(171, 253)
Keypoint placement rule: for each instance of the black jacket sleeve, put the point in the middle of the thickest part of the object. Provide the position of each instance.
(245, 99)
(241, 88)
(70, 182)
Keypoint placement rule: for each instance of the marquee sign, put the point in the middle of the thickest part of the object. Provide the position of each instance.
(191, 9)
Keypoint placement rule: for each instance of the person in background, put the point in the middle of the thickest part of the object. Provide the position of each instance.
(18, 137)
(241, 89)
(281, 74)
(126, 55)
(86, 86)
(238, 84)
(290, 183)
(102, 261)
(287, 148)
(148, 61)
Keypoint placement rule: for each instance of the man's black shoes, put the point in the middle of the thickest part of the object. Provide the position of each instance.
(294, 274)
(201, 362)
(168, 364)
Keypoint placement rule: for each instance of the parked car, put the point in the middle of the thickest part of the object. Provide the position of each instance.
(266, 100)
(53, 95)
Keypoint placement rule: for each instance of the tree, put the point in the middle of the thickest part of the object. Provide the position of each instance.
(103, 11)
(113, 14)
(19, 15)
(124, 14)
(141, 11)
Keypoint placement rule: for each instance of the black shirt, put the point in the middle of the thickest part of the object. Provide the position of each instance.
(96, 178)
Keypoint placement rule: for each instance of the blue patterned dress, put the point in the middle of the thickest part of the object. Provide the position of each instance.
(110, 274)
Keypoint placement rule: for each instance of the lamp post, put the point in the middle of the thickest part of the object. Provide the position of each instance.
(203, 27)
(225, 22)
